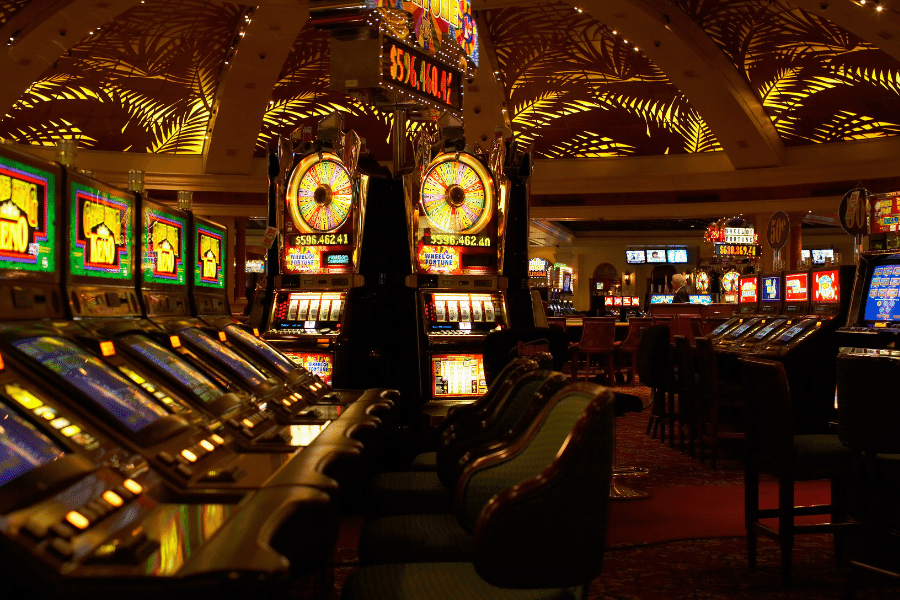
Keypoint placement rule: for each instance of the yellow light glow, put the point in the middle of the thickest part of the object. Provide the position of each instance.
(132, 486)
(248, 423)
(107, 348)
(175, 341)
(113, 498)
(77, 520)
(190, 456)
(70, 430)
(207, 445)
(256, 332)
(217, 439)
(222, 336)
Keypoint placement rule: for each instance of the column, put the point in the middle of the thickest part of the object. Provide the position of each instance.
(760, 223)
(795, 241)
(240, 258)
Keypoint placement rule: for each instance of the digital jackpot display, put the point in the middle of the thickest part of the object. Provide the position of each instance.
(416, 72)
(100, 231)
(27, 217)
(796, 287)
(886, 214)
(162, 247)
(320, 199)
(882, 301)
(209, 257)
(749, 293)
(457, 229)
(318, 363)
(457, 375)
(771, 289)
(826, 286)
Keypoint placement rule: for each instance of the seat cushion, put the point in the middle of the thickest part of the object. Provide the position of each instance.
(438, 581)
(406, 492)
(427, 461)
(414, 538)
(818, 455)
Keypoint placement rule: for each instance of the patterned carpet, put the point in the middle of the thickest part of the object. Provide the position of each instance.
(689, 569)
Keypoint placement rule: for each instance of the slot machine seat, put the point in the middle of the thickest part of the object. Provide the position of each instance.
(772, 448)
(504, 345)
(629, 346)
(720, 405)
(530, 516)
(686, 387)
(407, 492)
(654, 370)
(868, 413)
(598, 337)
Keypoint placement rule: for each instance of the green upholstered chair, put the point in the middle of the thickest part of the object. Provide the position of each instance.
(540, 529)
(772, 448)
(432, 491)
(443, 537)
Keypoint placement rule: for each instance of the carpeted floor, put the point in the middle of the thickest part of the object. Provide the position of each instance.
(686, 542)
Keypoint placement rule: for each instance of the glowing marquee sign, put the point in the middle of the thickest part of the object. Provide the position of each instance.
(440, 259)
(101, 233)
(209, 260)
(437, 22)
(414, 71)
(26, 226)
(162, 245)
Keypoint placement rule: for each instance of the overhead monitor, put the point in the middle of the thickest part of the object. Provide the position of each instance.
(677, 255)
(656, 256)
(821, 256)
(635, 257)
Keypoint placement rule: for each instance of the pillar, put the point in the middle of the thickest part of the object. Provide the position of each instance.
(760, 223)
(795, 241)
(240, 257)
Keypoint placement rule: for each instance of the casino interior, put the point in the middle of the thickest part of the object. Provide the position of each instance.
(368, 300)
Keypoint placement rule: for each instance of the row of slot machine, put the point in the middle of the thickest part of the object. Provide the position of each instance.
(455, 210)
(146, 439)
(792, 317)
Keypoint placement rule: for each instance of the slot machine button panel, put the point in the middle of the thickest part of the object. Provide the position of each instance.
(62, 548)
(62, 530)
(184, 471)
(166, 458)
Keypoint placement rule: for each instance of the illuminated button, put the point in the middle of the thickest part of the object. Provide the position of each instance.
(208, 445)
(217, 439)
(59, 423)
(77, 520)
(248, 423)
(296, 396)
(113, 498)
(107, 348)
(256, 332)
(222, 336)
(70, 430)
(150, 388)
(2, 366)
(175, 341)
(190, 456)
(286, 401)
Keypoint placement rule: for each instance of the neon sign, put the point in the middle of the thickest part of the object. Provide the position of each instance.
(439, 259)
(416, 72)
(437, 21)
(26, 229)
(101, 231)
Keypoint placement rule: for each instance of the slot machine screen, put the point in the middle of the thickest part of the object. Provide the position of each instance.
(771, 289)
(764, 331)
(635, 301)
(749, 293)
(635, 257)
(22, 447)
(826, 286)
(27, 216)
(202, 386)
(662, 298)
(316, 363)
(881, 298)
(794, 330)
(162, 246)
(209, 256)
(608, 301)
(626, 300)
(820, 257)
(617, 300)
(100, 230)
(226, 355)
(457, 375)
(272, 356)
(112, 392)
(796, 287)
(700, 298)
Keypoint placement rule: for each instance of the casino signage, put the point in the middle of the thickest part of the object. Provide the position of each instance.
(101, 232)
(739, 250)
(25, 228)
(420, 74)
(208, 271)
(163, 259)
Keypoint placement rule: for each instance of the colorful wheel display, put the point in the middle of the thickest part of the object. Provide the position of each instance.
(730, 281)
(457, 194)
(320, 194)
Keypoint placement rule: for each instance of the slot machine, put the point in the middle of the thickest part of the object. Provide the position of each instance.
(748, 303)
(83, 515)
(324, 208)
(768, 317)
(704, 299)
(872, 322)
(457, 219)
(661, 298)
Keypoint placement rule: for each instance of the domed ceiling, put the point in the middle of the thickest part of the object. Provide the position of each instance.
(589, 79)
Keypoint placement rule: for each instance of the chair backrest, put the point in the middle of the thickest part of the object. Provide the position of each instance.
(868, 410)
(548, 528)
(696, 328)
(502, 346)
(557, 322)
(770, 427)
(687, 381)
(599, 333)
(636, 327)
(707, 370)
(499, 386)
(652, 358)
(492, 424)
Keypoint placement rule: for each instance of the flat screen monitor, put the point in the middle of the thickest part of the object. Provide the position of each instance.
(113, 393)
(163, 245)
(661, 298)
(700, 298)
(28, 208)
(677, 255)
(626, 300)
(224, 354)
(804, 254)
(22, 447)
(100, 231)
(826, 286)
(567, 282)
(208, 254)
(749, 291)
(821, 256)
(272, 356)
(796, 287)
(881, 302)
(656, 256)
(771, 288)
(202, 386)
(617, 300)
(635, 257)
(608, 301)
(635, 301)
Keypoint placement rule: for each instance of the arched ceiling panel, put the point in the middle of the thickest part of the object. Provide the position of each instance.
(9, 8)
(143, 82)
(577, 89)
(817, 81)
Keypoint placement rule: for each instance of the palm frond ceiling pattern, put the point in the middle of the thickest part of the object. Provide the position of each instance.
(818, 82)
(577, 90)
(8, 8)
(144, 82)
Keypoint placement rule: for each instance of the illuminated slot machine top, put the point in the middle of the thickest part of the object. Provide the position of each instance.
(771, 299)
(875, 307)
(661, 298)
(731, 286)
(700, 299)
(748, 288)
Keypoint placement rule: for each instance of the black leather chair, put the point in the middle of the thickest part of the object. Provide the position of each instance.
(654, 370)
(772, 448)
(504, 345)
(537, 513)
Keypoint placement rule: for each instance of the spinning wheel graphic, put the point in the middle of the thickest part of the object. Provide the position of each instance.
(457, 194)
(730, 281)
(320, 194)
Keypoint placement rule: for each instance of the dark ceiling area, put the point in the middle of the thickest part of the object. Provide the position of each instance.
(698, 224)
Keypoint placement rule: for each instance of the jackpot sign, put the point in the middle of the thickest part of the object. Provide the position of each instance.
(101, 233)
(414, 71)
(26, 231)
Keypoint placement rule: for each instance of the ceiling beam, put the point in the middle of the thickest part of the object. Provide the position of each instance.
(40, 37)
(879, 28)
(245, 89)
